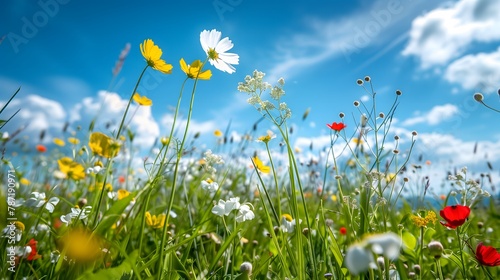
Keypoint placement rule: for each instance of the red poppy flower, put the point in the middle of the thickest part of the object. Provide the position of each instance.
(41, 148)
(336, 126)
(121, 179)
(455, 215)
(487, 255)
(33, 255)
(343, 231)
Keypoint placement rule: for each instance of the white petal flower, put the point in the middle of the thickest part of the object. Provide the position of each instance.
(216, 49)
(209, 185)
(359, 259)
(39, 199)
(387, 244)
(220, 208)
(232, 204)
(287, 223)
(244, 213)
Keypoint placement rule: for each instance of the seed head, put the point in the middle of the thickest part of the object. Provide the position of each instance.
(359, 82)
(478, 97)
(367, 78)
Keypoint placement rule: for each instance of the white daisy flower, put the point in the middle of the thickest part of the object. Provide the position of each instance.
(215, 48)
(39, 199)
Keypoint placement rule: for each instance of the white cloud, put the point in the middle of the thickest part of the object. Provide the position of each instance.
(140, 119)
(194, 126)
(345, 37)
(445, 33)
(41, 114)
(435, 116)
(37, 113)
(448, 148)
(478, 72)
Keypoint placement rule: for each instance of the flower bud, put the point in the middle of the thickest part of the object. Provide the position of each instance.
(359, 82)
(417, 268)
(478, 97)
(246, 268)
(341, 115)
(398, 92)
(435, 249)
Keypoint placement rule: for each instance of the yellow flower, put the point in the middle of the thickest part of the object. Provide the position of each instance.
(155, 221)
(103, 145)
(266, 138)
(334, 198)
(99, 185)
(431, 217)
(390, 177)
(59, 142)
(152, 53)
(71, 169)
(165, 141)
(122, 193)
(193, 70)
(218, 133)
(357, 141)
(24, 181)
(19, 225)
(422, 222)
(287, 217)
(73, 140)
(81, 245)
(260, 166)
(142, 100)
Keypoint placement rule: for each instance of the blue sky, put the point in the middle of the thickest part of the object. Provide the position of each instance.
(62, 52)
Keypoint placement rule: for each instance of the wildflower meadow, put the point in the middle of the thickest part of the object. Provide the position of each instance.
(360, 210)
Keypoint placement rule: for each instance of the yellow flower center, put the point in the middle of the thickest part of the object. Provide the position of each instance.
(212, 54)
(287, 217)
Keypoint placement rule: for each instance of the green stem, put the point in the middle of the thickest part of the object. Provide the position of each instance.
(130, 101)
(439, 269)
(180, 149)
(464, 271)
(278, 197)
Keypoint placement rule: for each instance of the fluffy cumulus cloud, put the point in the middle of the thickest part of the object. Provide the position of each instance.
(476, 71)
(436, 115)
(444, 33)
(108, 108)
(39, 114)
(459, 153)
(36, 114)
(194, 126)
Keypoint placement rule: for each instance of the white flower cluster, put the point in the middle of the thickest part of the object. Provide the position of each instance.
(211, 160)
(255, 87)
(224, 208)
(469, 189)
